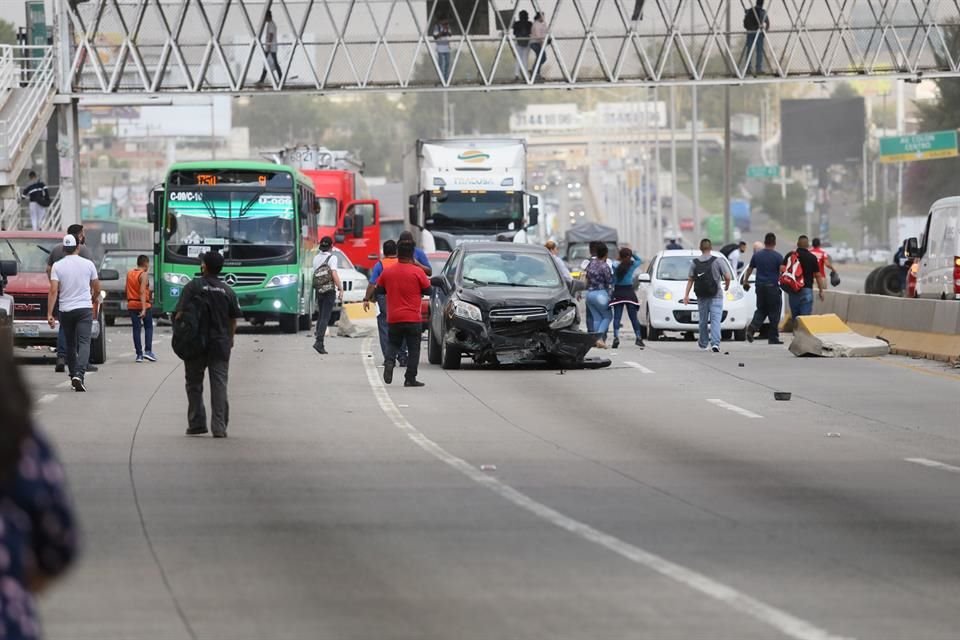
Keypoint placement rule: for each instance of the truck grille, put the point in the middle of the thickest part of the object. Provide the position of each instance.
(513, 314)
(241, 279)
(30, 307)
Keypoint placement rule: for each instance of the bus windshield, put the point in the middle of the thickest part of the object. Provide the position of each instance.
(491, 210)
(247, 224)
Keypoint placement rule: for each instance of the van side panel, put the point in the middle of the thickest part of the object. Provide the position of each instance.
(942, 245)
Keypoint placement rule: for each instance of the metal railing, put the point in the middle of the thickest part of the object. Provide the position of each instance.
(14, 214)
(10, 215)
(36, 77)
(8, 69)
(53, 218)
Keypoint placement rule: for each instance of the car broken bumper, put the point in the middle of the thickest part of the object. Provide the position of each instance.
(518, 344)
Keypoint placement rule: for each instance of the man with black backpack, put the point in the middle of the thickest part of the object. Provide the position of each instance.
(203, 330)
(326, 286)
(706, 273)
(756, 23)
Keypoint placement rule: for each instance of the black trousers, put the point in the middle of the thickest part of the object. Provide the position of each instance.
(325, 302)
(218, 371)
(769, 305)
(398, 334)
(271, 58)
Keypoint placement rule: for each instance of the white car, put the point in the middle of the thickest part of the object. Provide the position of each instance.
(661, 298)
(354, 283)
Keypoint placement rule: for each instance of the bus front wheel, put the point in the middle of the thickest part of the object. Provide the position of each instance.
(288, 323)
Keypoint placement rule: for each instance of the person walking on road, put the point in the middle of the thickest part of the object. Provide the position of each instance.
(327, 287)
(419, 255)
(38, 199)
(75, 284)
(388, 260)
(419, 259)
(707, 272)
(218, 303)
(801, 301)
(38, 529)
(736, 257)
(404, 285)
(766, 263)
(76, 230)
(823, 258)
(270, 48)
(561, 266)
(625, 296)
(441, 39)
(140, 308)
(599, 282)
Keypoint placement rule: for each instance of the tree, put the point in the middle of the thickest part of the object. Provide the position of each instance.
(930, 180)
(274, 121)
(789, 211)
(8, 33)
(875, 216)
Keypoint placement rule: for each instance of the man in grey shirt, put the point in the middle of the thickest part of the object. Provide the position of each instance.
(76, 230)
(706, 273)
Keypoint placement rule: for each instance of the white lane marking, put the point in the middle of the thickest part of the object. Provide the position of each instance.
(48, 397)
(788, 624)
(637, 366)
(732, 407)
(927, 462)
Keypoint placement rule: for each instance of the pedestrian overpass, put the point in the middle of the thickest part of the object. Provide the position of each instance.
(135, 51)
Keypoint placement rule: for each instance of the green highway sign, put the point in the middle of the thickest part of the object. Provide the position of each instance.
(763, 171)
(920, 146)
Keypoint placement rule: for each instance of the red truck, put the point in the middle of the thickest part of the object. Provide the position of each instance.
(346, 211)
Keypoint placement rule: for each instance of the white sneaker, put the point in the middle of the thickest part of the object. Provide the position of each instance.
(715, 348)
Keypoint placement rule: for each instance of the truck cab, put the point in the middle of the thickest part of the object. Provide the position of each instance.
(936, 255)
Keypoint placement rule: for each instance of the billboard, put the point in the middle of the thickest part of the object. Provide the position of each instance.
(822, 132)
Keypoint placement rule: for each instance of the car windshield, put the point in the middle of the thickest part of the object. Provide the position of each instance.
(247, 224)
(30, 253)
(122, 263)
(674, 267)
(488, 210)
(509, 268)
(343, 262)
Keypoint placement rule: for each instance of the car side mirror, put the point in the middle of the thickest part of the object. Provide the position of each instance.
(440, 282)
(8, 268)
(576, 286)
(644, 278)
(151, 213)
(109, 274)
(911, 248)
(412, 210)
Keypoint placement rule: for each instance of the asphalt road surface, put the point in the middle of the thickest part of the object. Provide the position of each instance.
(666, 497)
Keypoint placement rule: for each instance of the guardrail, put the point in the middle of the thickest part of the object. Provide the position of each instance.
(36, 77)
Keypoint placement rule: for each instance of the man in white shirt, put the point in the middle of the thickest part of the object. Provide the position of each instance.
(270, 48)
(327, 296)
(75, 282)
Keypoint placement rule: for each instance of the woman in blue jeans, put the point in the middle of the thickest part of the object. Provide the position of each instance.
(599, 281)
(625, 297)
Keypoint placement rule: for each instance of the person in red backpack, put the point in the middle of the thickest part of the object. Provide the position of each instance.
(801, 301)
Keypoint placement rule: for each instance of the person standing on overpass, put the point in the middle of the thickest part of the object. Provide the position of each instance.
(801, 302)
(766, 263)
(223, 309)
(404, 285)
(75, 283)
(270, 48)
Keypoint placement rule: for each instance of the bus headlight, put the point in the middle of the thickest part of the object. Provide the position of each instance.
(282, 280)
(176, 278)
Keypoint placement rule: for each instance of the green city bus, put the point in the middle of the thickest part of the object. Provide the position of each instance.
(260, 216)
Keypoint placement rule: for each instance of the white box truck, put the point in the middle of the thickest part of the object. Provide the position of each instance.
(468, 190)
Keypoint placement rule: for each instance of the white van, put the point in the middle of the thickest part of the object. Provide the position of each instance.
(937, 254)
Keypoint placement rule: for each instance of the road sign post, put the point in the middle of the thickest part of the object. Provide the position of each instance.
(919, 146)
(763, 171)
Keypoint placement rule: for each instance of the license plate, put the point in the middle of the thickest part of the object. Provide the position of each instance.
(27, 330)
(694, 316)
(123, 306)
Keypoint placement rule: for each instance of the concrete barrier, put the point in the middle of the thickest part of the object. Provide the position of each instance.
(828, 336)
(920, 328)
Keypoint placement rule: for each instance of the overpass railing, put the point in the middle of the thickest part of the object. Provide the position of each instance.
(34, 81)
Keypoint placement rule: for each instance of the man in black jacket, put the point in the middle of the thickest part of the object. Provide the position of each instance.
(36, 193)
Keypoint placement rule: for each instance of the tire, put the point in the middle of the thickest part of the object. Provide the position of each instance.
(111, 321)
(305, 322)
(726, 334)
(870, 284)
(288, 323)
(98, 346)
(434, 349)
(888, 281)
(449, 356)
(740, 335)
(652, 334)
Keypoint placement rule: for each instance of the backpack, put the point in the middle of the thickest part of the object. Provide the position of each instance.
(751, 21)
(43, 199)
(792, 280)
(704, 284)
(191, 330)
(323, 277)
(728, 249)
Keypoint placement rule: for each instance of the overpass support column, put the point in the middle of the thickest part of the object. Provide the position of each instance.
(69, 149)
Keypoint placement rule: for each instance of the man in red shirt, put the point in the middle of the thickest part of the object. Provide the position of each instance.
(823, 258)
(404, 284)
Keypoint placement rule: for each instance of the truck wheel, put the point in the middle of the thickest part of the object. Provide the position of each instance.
(449, 356)
(434, 350)
(870, 284)
(288, 323)
(98, 346)
(888, 280)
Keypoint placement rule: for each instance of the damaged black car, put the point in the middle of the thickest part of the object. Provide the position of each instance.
(505, 303)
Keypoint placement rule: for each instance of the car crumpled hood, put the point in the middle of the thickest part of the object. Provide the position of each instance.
(495, 297)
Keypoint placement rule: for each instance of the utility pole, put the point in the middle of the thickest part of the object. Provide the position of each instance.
(694, 143)
(726, 146)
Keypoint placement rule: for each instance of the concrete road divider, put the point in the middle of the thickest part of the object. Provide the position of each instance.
(919, 328)
(355, 311)
(829, 336)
